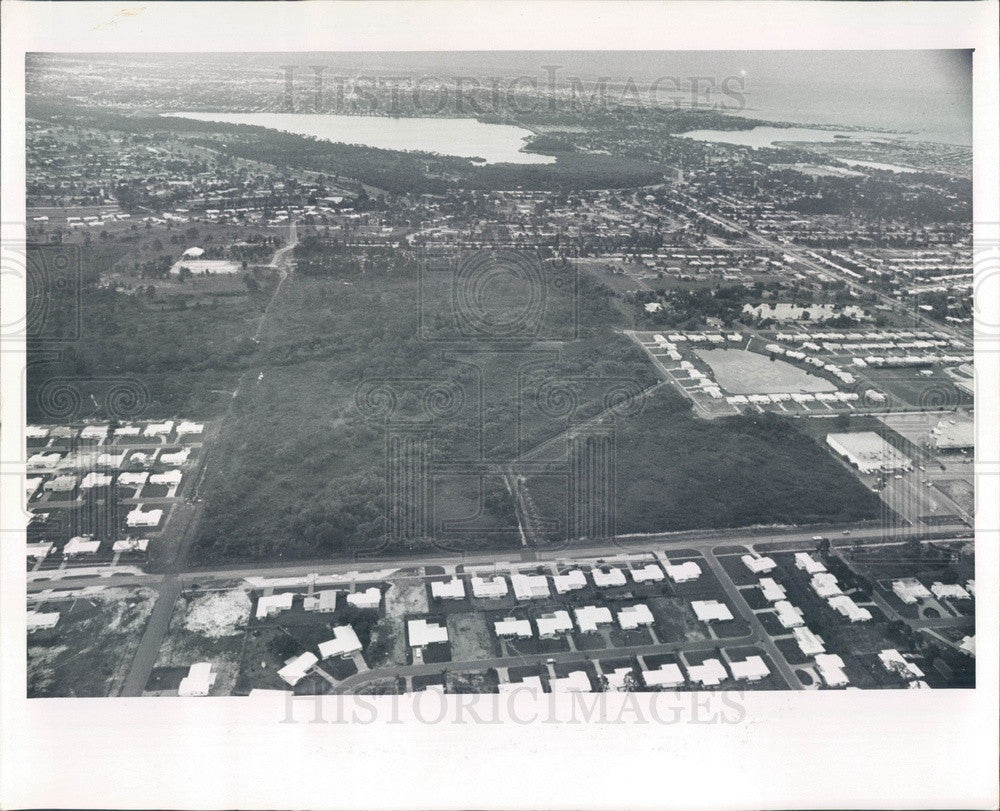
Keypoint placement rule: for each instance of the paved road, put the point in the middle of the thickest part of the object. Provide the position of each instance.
(152, 637)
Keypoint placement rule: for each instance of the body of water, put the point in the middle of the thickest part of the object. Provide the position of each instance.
(460, 137)
(759, 137)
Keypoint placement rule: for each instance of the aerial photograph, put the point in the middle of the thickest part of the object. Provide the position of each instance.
(499, 372)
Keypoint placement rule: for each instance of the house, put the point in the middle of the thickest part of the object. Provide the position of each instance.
(193, 253)
(512, 627)
(95, 480)
(421, 633)
(709, 673)
(951, 591)
(113, 460)
(128, 430)
(130, 545)
(159, 428)
(634, 616)
(184, 428)
(589, 617)
(99, 432)
(175, 457)
(35, 432)
(81, 545)
(39, 620)
(968, 645)
(619, 679)
(297, 667)
(910, 590)
(170, 478)
(809, 643)
(60, 484)
(666, 675)
(758, 565)
(789, 616)
(137, 518)
(31, 484)
(555, 623)
(753, 668)
(576, 682)
(133, 479)
(772, 591)
(571, 581)
(893, 661)
(325, 602)
(39, 551)
(198, 681)
(344, 643)
(803, 560)
(689, 570)
(530, 683)
(529, 587)
(831, 670)
(825, 585)
(650, 573)
(371, 597)
(711, 611)
(606, 579)
(489, 589)
(270, 604)
(846, 606)
(453, 589)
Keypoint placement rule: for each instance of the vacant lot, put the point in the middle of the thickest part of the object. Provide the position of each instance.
(470, 638)
(89, 652)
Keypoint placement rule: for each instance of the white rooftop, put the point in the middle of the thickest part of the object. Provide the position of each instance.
(949, 591)
(554, 623)
(511, 626)
(803, 560)
(421, 633)
(296, 668)
(489, 589)
(529, 587)
(369, 598)
(711, 610)
(633, 616)
(789, 616)
(758, 565)
(753, 668)
(273, 603)
(893, 661)
(612, 577)
(570, 581)
(709, 673)
(666, 675)
(589, 617)
(809, 643)
(773, 592)
(831, 670)
(681, 573)
(453, 589)
(198, 681)
(575, 682)
(648, 573)
(345, 642)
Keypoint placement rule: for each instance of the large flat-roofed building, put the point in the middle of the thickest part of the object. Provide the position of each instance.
(953, 434)
(868, 452)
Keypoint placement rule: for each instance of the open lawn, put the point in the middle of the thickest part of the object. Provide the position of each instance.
(470, 637)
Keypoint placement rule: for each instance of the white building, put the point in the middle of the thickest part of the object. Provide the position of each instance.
(968, 645)
(650, 573)
(576, 682)
(612, 577)
(831, 669)
(274, 603)
(159, 428)
(512, 627)
(175, 457)
(709, 673)
(113, 460)
(949, 591)
(453, 589)
(39, 551)
(711, 611)
(825, 585)
(133, 479)
(758, 565)
(198, 681)
(809, 643)
(38, 620)
(422, 633)
(850, 609)
(868, 452)
(130, 545)
(753, 668)
(682, 573)
(323, 602)
(489, 589)
(95, 480)
(184, 428)
(128, 430)
(803, 560)
(170, 478)
(910, 590)
(138, 518)
(81, 545)
(789, 616)
(589, 617)
(570, 581)
(99, 432)
(369, 598)
(893, 661)
(529, 587)
(619, 678)
(634, 616)
(555, 623)
(773, 592)
(666, 675)
(345, 642)
(296, 668)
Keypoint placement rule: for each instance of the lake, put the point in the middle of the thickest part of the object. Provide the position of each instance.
(760, 137)
(461, 137)
(743, 372)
